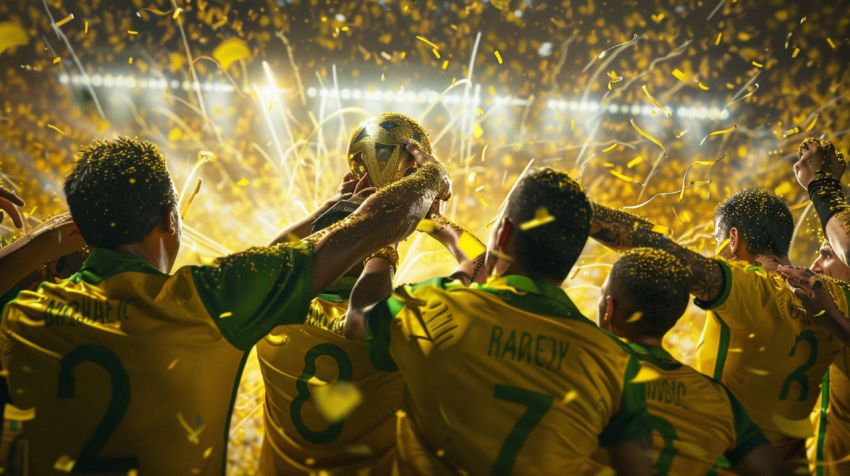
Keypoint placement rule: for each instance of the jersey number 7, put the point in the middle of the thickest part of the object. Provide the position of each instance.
(538, 404)
(88, 460)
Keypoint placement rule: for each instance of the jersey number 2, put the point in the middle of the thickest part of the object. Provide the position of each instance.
(346, 371)
(538, 404)
(88, 461)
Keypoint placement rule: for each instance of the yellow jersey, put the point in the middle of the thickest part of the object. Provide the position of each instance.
(758, 343)
(831, 419)
(505, 378)
(295, 360)
(695, 419)
(128, 368)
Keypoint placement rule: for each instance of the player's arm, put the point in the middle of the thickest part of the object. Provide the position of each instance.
(465, 247)
(622, 231)
(33, 250)
(304, 227)
(631, 457)
(8, 201)
(762, 461)
(818, 303)
(752, 455)
(819, 171)
(386, 217)
(374, 285)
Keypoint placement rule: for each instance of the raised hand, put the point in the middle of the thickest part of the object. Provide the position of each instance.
(817, 155)
(421, 158)
(8, 201)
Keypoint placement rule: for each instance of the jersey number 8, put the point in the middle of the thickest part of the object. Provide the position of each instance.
(346, 371)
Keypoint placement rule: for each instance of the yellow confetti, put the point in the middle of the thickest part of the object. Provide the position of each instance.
(796, 428)
(11, 35)
(634, 161)
(172, 364)
(609, 148)
(65, 20)
(193, 432)
(426, 41)
(634, 317)
(678, 74)
(337, 400)
(570, 396)
(64, 464)
(718, 133)
(622, 177)
(11, 412)
(829, 40)
(270, 104)
(802, 20)
(719, 36)
(131, 60)
(86, 28)
(177, 13)
(191, 199)
(208, 452)
(541, 217)
(658, 18)
(723, 245)
(820, 313)
(757, 65)
(56, 129)
(225, 314)
(483, 151)
(653, 139)
(477, 131)
(656, 102)
(791, 132)
(646, 374)
(445, 64)
(230, 51)
(814, 121)
(436, 53)
(800, 205)
(572, 124)
(57, 59)
(131, 32)
(662, 230)
(795, 53)
(453, 82)
(703, 87)
(761, 372)
(383, 78)
(484, 203)
(745, 96)
(498, 56)
(175, 134)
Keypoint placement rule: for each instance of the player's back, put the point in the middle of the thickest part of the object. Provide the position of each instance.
(298, 360)
(506, 378)
(694, 418)
(831, 422)
(757, 342)
(128, 368)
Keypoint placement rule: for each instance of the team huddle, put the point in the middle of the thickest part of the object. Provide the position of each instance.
(117, 363)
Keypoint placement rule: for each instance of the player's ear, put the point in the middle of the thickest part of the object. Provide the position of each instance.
(734, 240)
(505, 228)
(609, 310)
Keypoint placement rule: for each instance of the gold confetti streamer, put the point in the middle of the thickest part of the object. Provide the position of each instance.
(56, 129)
(541, 217)
(436, 53)
(719, 36)
(483, 151)
(745, 96)
(172, 364)
(757, 65)
(428, 42)
(609, 148)
(814, 121)
(225, 314)
(718, 133)
(131, 32)
(634, 161)
(656, 102)
(791, 132)
(57, 59)
(617, 46)
(498, 56)
(679, 75)
(723, 245)
(193, 432)
(86, 28)
(653, 139)
(177, 13)
(191, 199)
(634, 318)
(829, 40)
(445, 64)
(65, 20)
(795, 53)
(242, 182)
(703, 87)
(623, 177)
(800, 205)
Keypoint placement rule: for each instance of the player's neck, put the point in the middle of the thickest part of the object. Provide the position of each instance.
(644, 340)
(151, 250)
(515, 269)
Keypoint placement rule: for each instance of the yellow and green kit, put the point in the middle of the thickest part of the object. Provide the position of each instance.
(128, 368)
(295, 361)
(504, 378)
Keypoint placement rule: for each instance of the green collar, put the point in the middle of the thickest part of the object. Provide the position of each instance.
(340, 291)
(656, 355)
(102, 264)
(532, 295)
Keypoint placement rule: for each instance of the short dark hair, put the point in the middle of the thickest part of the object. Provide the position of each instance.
(547, 246)
(761, 218)
(118, 191)
(654, 283)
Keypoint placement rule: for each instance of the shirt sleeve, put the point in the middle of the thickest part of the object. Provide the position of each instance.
(632, 421)
(379, 323)
(747, 291)
(748, 435)
(252, 292)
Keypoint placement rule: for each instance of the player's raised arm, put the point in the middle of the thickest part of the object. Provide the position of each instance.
(8, 202)
(386, 217)
(622, 231)
(465, 247)
(819, 171)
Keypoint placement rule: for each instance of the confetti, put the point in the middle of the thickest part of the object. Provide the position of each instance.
(225, 314)
(56, 129)
(820, 313)
(829, 40)
(678, 74)
(64, 464)
(814, 121)
(437, 53)
(800, 205)
(242, 182)
(65, 20)
(338, 400)
(193, 433)
(656, 102)
(572, 125)
(483, 151)
(609, 148)
(757, 65)
(541, 217)
(191, 199)
(723, 245)
(498, 56)
(791, 132)
(208, 452)
(86, 27)
(177, 13)
(617, 46)
(57, 59)
(634, 162)
(646, 374)
(724, 131)
(445, 64)
(740, 99)
(11, 35)
(131, 60)
(230, 51)
(131, 32)
(634, 317)
(719, 36)
(795, 53)
(172, 364)
(428, 42)
(796, 428)
(623, 177)
(653, 139)
(703, 87)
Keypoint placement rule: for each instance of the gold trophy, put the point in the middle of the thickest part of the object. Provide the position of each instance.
(376, 148)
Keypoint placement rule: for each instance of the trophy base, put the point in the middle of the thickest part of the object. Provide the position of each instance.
(336, 213)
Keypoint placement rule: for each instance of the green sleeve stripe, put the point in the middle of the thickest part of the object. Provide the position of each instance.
(633, 420)
(722, 348)
(394, 306)
(727, 288)
(378, 334)
(748, 435)
(824, 406)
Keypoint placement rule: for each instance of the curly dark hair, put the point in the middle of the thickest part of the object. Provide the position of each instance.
(558, 216)
(118, 191)
(762, 219)
(654, 283)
